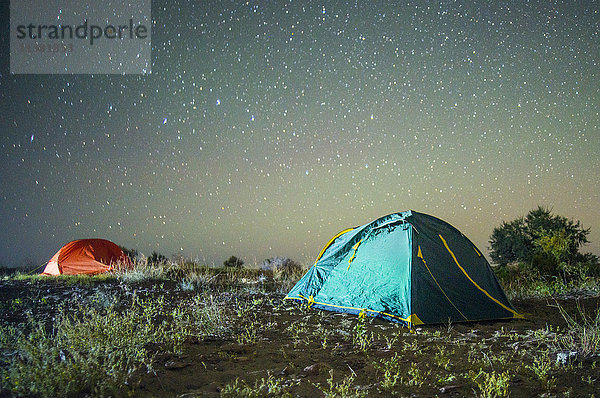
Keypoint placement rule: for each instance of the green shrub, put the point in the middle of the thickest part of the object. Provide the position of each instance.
(233, 262)
(521, 239)
(131, 253)
(156, 259)
(545, 246)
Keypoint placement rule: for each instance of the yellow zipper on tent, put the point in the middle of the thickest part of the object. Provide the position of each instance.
(355, 247)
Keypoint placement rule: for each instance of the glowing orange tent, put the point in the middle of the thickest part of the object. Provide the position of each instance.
(86, 256)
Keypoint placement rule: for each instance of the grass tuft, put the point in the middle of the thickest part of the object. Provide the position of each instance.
(97, 349)
(269, 387)
(491, 384)
(582, 334)
(344, 389)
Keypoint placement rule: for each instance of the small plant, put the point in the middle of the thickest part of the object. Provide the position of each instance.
(299, 332)
(442, 359)
(589, 380)
(491, 385)
(412, 346)
(187, 285)
(15, 304)
(248, 336)
(581, 336)
(416, 377)
(391, 372)
(445, 379)
(341, 390)
(269, 387)
(541, 367)
(391, 342)
(361, 338)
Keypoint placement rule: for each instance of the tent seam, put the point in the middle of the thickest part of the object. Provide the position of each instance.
(515, 314)
(420, 255)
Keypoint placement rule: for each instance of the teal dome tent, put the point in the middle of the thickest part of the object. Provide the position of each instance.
(408, 267)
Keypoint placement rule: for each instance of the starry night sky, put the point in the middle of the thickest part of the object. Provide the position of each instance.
(267, 127)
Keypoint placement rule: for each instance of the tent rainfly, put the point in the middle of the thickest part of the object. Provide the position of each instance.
(408, 267)
(86, 256)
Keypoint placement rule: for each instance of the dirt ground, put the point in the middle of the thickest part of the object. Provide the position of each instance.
(302, 348)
